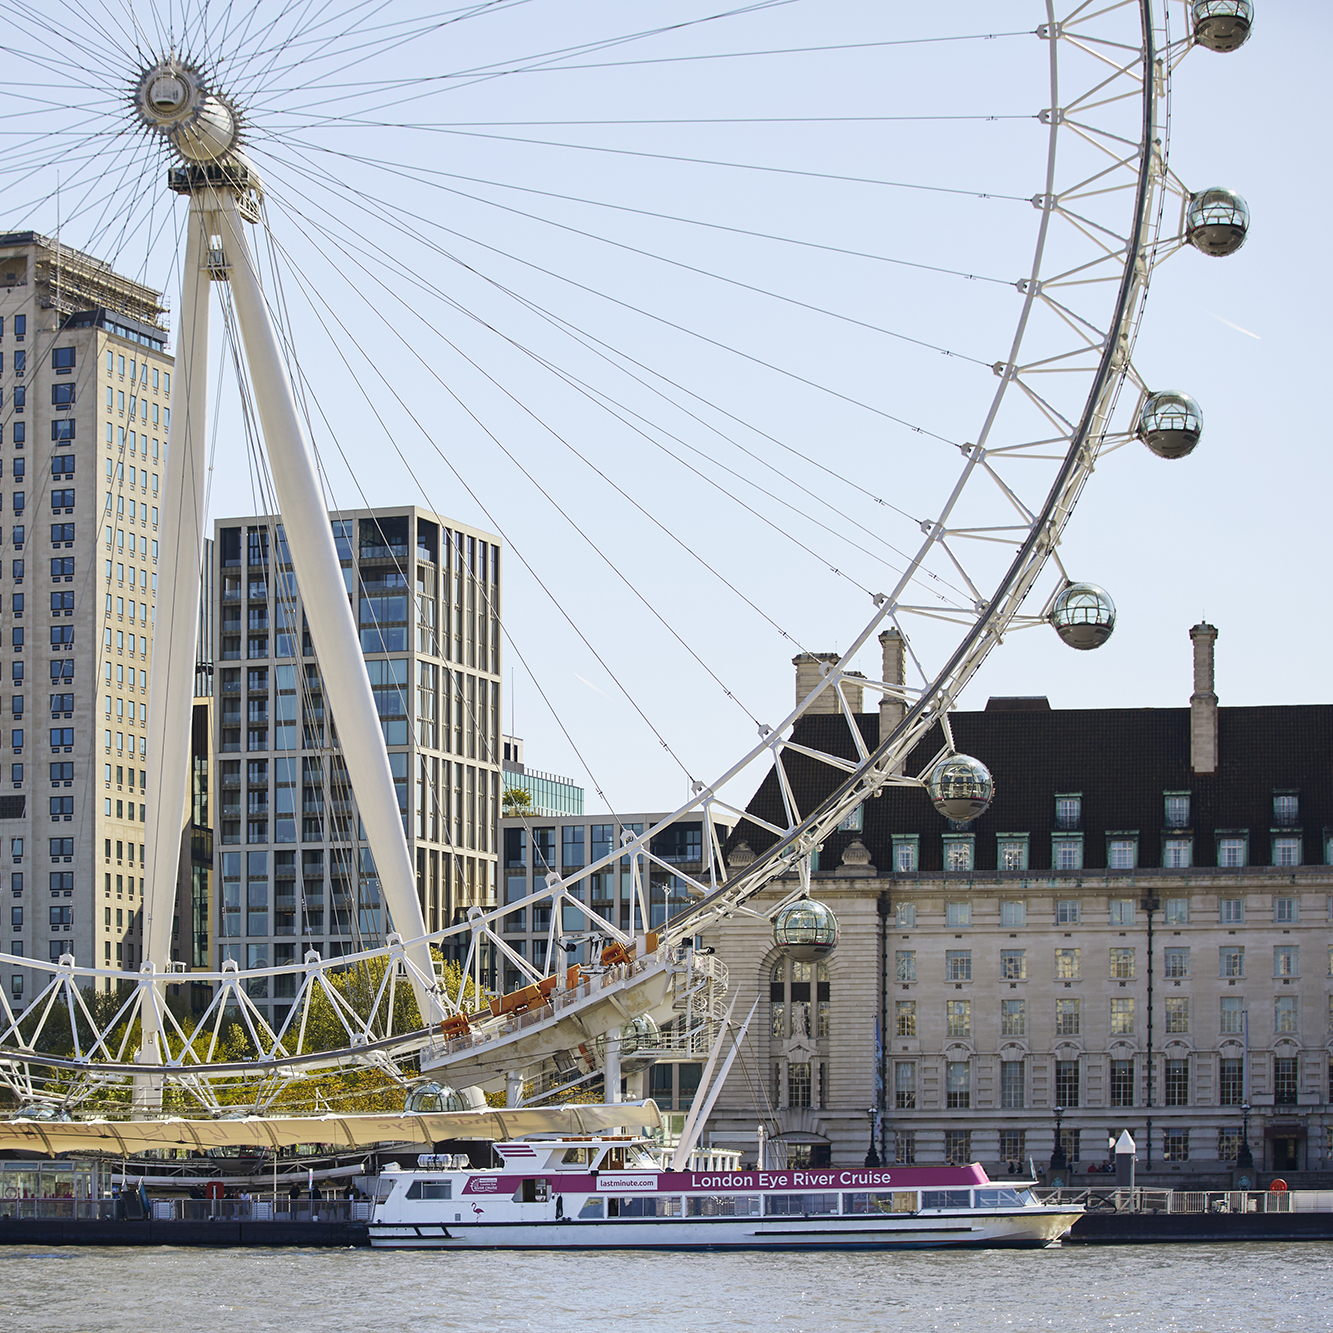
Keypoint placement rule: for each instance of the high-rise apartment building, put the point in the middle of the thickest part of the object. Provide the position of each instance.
(292, 869)
(85, 404)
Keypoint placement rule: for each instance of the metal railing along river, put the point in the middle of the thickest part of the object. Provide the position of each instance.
(1142, 1200)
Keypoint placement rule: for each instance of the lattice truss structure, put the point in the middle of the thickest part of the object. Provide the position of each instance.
(988, 562)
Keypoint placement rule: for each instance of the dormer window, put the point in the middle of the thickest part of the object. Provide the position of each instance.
(1286, 809)
(1068, 810)
(1176, 812)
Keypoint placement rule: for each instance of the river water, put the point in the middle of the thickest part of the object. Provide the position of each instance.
(1250, 1288)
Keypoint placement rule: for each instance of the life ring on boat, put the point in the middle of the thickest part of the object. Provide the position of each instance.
(11, 1193)
(1279, 1186)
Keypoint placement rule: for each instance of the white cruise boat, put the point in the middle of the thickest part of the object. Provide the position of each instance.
(613, 1192)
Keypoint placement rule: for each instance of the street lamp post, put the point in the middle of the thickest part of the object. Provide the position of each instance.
(872, 1157)
(1059, 1159)
(1245, 1158)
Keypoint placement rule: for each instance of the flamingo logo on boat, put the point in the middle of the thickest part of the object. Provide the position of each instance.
(477, 1211)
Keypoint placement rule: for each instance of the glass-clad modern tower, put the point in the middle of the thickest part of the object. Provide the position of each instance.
(292, 869)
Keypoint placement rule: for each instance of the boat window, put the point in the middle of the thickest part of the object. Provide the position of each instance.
(652, 1206)
(944, 1198)
(998, 1199)
(593, 1208)
(800, 1205)
(431, 1189)
(615, 1160)
(578, 1156)
(1027, 1199)
(899, 1201)
(533, 1191)
(723, 1205)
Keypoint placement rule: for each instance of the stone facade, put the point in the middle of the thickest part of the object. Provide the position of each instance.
(1138, 931)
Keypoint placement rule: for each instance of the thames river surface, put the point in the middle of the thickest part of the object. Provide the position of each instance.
(1254, 1288)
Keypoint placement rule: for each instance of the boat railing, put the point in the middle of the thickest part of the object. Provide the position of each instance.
(261, 1210)
(90, 1210)
(1143, 1200)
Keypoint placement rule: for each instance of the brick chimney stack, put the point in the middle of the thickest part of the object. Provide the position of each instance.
(809, 675)
(1203, 702)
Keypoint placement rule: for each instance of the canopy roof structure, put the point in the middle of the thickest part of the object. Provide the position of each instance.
(349, 1131)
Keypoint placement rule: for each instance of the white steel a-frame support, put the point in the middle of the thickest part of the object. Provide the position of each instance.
(217, 249)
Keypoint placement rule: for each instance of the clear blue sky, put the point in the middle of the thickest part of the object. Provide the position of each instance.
(451, 244)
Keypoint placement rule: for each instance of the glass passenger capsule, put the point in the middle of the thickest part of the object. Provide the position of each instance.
(427, 1098)
(1170, 424)
(961, 787)
(1217, 221)
(1083, 616)
(1222, 25)
(806, 930)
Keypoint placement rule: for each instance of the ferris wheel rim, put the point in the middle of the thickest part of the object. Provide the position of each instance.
(938, 697)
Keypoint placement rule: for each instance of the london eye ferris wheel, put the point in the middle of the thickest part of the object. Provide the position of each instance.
(727, 297)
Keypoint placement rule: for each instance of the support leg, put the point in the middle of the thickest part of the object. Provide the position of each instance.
(319, 575)
(171, 691)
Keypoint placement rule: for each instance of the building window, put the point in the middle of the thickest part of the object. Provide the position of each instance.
(1122, 853)
(958, 964)
(958, 1085)
(1175, 1145)
(1066, 1082)
(1122, 1016)
(851, 823)
(1232, 1016)
(1067, 853)
(905, 916)
(904, 856)
(1013, 1149)
(1176, 809)
(1231, 852)
(1068, 810)
(1015, 914)
(905, 964)
(1176, 1083)
(1286, 960)
(958, 853)
(1013, 964)
(1177, 911)
(1284, 1080)
(958, 1146)
(1122, 911)
(1231, 1081)
(1177, 1014)
(959, 1017)
(1066, 1018)
(1068, 964)
(1177, 853)
(1176, 962)
(958, 914)
(904, 1147)
(1285, 1014)
(1231, 960)
(1067, 912)
(795, 1011)
(1286, 851)
(1013, 1018)
(1011, 852)
(1231, 911)
(799, 1084)
(1122, 1082)
(904, 1085)
(1286, 911)
(1011, 1085)
(905, 1014)
(1228, 1145)
(1286, 809)
(1122, 964)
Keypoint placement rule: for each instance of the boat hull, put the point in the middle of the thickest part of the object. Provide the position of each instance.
(1031, 1228)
